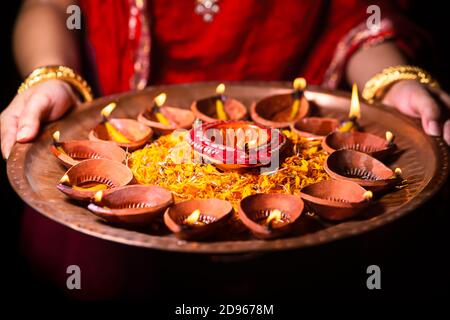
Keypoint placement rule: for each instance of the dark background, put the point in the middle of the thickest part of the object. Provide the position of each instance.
(411, 252)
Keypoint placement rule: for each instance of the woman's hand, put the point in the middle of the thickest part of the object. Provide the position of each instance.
(414, 99)
(21, 120)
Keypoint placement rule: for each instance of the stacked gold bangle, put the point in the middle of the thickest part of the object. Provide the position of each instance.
(66, 74)
(376, 87)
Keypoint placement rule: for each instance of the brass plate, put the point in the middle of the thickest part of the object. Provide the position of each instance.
(33, 171)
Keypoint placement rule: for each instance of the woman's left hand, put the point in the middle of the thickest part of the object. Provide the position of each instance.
(414, 99)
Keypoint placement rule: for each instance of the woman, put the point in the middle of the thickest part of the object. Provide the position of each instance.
(131, 44)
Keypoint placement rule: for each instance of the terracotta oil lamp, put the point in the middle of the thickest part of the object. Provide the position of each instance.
(84, 179)
(315, 128)
(197, 219)
(282, 111)
(270, 215)
(336, 200)
(133, 205)
(360, 141)
(126, 133)
(71, 152)
(232, 145)
(165, 119)
(363, 169)
(219, 107)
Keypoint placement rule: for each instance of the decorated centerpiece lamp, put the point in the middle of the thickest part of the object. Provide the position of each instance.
(197, 219)
(219, 107)
(126, 133)
(71, 152)
(84, 179)
(236, 144)
(282, 111)
(133, 205)
(164, 119)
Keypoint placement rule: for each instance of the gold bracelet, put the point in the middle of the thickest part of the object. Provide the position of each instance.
(376, 87)
(64, 73)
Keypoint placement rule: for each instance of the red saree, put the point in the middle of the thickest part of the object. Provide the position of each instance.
(136, 43)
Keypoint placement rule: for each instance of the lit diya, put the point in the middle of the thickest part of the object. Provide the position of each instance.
(84, 179)
(363, 169)
(164, 119)
(360, 141)
(270, 215)
(197, 219)
(126, 133)
(71, 152)
(134, 205)
(315, 128)
(219, 107)
(336, 200)
(282, 111)
(233, 145)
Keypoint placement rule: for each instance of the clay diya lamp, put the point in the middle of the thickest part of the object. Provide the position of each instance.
(336, 200)
(360, 141)
(165, 119)
(234, 145)
(134, 205)
(197, 219)
(71, 152)
(126, 133)
(270, 215)
(219, 107)
(84, 179)
(282, 111)
(359, 167)
(314, 128)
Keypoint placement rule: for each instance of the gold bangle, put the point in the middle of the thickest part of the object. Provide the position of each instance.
(64, 73)
(376, 87)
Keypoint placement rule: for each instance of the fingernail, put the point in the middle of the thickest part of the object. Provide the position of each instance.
(23, 133)
(433, 128)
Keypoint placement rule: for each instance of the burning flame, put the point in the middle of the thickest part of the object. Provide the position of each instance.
(220, 89)
(160, 99)
(355, 107)
(389, 136)
(56, 136)
(98, 196)
(274, 215)
(106, 111)
(299, 83)
(65, 179)
(398, 171)
(368, 195)
(193, 217)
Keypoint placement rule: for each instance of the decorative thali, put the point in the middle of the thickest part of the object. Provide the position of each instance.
(34, 172)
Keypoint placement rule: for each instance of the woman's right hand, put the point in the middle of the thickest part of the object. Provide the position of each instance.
(21, 120)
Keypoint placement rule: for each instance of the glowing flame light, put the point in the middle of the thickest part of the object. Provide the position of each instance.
(220, 89)
(398, 171)
(65, 179)
(160, 99)
(299, 83)
(274, 215)
(193, 217)
(368, 195)
(389, 136)
(56, 136)
(106, 111)
(355, 107)
(98, 196)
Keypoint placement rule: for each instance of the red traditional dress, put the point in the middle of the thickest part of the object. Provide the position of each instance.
(135, 43)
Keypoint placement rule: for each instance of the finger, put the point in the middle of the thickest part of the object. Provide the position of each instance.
(429, 112)
(8, 124)
(35, 109)
(446, 130)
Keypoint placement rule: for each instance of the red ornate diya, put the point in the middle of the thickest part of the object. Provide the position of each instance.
(133, 205)
(336, 200)
(71, 152)
(126, 133)
(270, 215)
(197, 219)
(282, 111)
(368, 172)
(360, 141)
(236, 144)
(219, 107)
(173, 118)
(315, 128)
(84, 179)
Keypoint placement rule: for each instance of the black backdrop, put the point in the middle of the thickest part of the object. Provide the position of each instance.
(412, 251)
